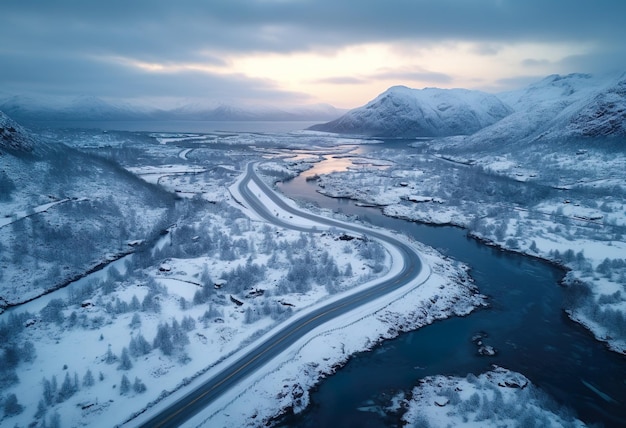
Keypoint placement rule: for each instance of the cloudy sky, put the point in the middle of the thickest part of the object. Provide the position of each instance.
(342, 52)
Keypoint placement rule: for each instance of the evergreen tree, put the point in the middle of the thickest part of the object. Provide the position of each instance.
(28, 351)
(67, 389)
(139, 386)
(88, 379)
(188, 323)
(124, 385)
(125, 363)
(163, 339)
(348, 271)
(12, 406)
(48, 391)
(139, 346)
(134, 304)
(41, 409)
(136, 321)
(110, 357)
(179, 337)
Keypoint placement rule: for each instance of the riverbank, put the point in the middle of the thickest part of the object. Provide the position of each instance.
(286, 385)
(561, 231)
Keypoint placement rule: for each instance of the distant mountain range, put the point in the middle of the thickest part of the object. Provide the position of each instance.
(556, 107)
(571, 106)
(88, 108)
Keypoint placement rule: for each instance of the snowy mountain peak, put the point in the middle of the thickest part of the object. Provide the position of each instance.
(13, 136)
(429, 112)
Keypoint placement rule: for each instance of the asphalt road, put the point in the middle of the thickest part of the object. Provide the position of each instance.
(294, 328)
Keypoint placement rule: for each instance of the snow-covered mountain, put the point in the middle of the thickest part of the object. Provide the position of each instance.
(28, 109)
(13, 136)
(90, 108)
(230, 112)
(560, 107)
(603, 116)
(429, 112)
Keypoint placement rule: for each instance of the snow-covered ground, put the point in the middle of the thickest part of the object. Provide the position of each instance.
(496, 398)
(581, 228)
(219, 280)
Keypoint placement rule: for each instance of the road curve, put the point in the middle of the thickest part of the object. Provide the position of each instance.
(295, 327)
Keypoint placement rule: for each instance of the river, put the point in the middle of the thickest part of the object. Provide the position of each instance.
(525, 323)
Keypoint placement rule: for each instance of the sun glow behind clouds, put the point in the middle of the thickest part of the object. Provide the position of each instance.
(352, 75)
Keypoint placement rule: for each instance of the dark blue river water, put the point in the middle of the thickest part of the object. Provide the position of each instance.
(525, 323)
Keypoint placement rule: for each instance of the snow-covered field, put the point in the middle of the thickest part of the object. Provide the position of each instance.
(136, 337)
(217, 281)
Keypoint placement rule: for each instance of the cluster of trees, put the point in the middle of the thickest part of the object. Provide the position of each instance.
(612, 319)
(530, 406)
(613, 269)
(172, 339)
(6, 187)
(273, 309)
(12, 350)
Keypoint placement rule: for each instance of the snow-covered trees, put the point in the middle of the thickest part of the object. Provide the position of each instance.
(53, 311)
(12, 406)
(124, 385)
(125, 363)
(88, 379)
(138, 386)
(171, 340)
(163, 339)
(139, 346)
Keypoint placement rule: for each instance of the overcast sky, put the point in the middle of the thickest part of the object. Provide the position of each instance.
(342, 52)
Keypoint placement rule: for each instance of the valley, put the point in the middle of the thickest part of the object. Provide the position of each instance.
(149, 263)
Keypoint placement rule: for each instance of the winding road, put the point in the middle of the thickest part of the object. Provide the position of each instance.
(290, 331)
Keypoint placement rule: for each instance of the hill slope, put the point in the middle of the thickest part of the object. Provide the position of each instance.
(64, 212)
(430, 112)
(559, 108)
(13, 136)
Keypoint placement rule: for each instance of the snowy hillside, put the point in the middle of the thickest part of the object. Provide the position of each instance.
(13, 136)
(430, 112)
(604, 115)
(64, 212)
(559, 107)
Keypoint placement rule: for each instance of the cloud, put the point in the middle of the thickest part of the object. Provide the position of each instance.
(68, 75)
(341, 80)
(513, 83)
(40, 36)
(414, 76)
(605, 60)
(532, 62)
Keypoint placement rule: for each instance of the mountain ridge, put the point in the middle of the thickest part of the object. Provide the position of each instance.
(559, 107)
(430, 112)
(575, 105)
(91, 108)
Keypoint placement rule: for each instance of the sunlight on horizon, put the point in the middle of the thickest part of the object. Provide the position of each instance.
(353, 75)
